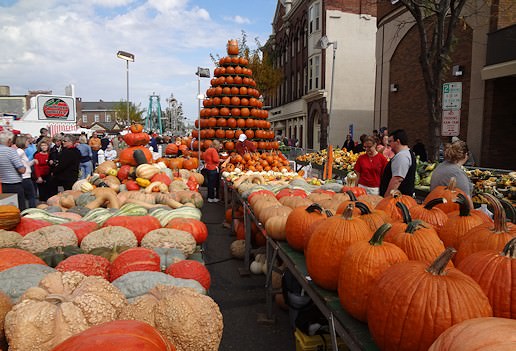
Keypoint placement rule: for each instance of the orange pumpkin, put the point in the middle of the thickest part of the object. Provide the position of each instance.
(449, 192)
(299, 220)
(136, 128)
(126, 156)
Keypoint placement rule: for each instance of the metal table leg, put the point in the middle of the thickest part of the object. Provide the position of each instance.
(247, 226)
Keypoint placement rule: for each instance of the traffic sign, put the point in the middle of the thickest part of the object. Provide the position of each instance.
(452, 96)
(451, 123)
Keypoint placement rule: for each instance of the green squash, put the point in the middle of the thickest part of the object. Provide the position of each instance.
(169, 255)
(53, 255)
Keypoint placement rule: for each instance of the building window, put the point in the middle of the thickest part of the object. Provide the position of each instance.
(299, 89)
(310, 73)
(314, 17)
(97, 118)
(108, 118)
(314, 72)
(305, 81)
(292, 87)
(293, 47)
(317, 71)
(299, 42)
(84, 118)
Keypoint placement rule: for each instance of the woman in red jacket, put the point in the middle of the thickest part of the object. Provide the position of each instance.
(211, 163)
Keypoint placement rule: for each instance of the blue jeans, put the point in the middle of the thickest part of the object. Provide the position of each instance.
(29, 191)
(213, 184)
(86, 169)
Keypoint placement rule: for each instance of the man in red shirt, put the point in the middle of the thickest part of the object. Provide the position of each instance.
(243, 145)
(211, 163)
(369, 167)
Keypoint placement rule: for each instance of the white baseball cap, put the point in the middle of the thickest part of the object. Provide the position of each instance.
(242, 137)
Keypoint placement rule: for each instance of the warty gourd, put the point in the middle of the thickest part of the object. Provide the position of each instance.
(109, 237)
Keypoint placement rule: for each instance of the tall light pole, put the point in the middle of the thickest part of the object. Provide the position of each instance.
(127, 57)
(323, 44)
(201, 73)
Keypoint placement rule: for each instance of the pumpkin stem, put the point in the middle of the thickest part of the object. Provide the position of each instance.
(364, 209)
(440, 263)
(452, 184)
(377, 238)
(509, 249)
(510, 211)
(396, 194)
(352, 196)
(464, 208)
(328, 213)
(500, 224)
(314, 207)
(415, 225)
(404, 212)
(55, 298)
(430, 204)
(348, 212)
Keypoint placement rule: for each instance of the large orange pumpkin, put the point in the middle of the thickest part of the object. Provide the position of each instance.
(449, 192)
(327, 246)
(495, 272)
(412, 303)
(126, 156)
(430, 213)
(119, 335)
(487, 236)
(135, 139)
(479, 334)
(388, 204)
(362, 264)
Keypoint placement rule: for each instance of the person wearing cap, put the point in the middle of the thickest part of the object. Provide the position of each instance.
(243, 145)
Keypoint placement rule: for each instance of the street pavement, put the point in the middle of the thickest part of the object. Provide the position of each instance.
(241, 299)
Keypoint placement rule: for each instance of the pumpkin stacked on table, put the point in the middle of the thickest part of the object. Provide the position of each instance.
(388, 262)
(233, 107)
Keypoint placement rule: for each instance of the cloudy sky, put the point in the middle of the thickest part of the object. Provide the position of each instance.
(47, 45)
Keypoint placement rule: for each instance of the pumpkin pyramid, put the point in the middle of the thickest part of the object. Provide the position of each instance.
(232, 107)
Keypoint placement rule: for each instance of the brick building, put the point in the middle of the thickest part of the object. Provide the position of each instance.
(301, 107)
(483, 60)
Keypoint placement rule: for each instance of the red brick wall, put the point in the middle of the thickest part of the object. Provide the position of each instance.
(384, 7)
(352, 6)
(507, 13)
(408, 107)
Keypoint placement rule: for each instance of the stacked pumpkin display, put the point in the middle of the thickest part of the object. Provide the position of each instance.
(136, 140)
(233, 107)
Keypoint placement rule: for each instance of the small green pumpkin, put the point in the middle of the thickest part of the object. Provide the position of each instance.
(54, 255)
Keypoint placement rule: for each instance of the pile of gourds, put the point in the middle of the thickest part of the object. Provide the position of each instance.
(60, 280)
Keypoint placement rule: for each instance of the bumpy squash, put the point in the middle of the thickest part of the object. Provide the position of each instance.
(9, 238)
(188, 269)
(86, 264)
(139, 225)
(191, 321)
(51, 236)
(16, 280)
(109, 237)
(193, 226)
(10, 257)
(135, 259)
(138, 283)
(28, 225)
(5, 306)
(63, 305)
(166, 237)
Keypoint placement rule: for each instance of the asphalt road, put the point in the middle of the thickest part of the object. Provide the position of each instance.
(241, 299)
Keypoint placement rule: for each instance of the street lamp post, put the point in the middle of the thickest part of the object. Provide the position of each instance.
(201, 73)
(127, 57)
(323, 44)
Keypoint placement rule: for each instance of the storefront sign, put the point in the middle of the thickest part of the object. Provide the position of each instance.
(56, 108)
(451, 123)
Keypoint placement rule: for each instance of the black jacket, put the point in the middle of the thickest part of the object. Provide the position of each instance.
(68, 162)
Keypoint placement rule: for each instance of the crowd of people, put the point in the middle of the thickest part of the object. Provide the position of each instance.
(390, 164)
(36, 169)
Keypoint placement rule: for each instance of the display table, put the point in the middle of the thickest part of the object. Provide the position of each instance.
(354, 333)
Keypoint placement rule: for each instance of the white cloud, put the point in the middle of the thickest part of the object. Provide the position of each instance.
(238, 19)
(50, 44)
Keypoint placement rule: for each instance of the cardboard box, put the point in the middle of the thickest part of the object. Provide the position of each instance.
(9, 199)
(316, 342)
